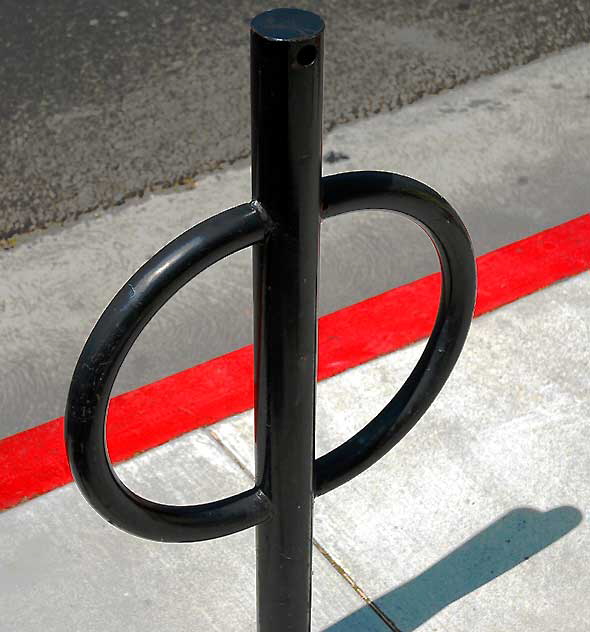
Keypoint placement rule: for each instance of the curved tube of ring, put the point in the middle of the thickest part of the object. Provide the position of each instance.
(114, 334)
(381, 190)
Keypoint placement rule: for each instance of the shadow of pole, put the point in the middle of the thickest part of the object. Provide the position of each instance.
(501, 546)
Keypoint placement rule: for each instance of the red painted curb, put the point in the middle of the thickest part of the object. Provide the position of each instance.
(34, 461)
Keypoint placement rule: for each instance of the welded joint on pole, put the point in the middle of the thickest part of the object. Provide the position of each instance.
(269, 224)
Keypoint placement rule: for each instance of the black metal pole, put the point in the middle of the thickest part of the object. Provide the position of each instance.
(281, 223)
(286, 74)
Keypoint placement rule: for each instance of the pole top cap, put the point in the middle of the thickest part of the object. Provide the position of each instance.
(290, 25)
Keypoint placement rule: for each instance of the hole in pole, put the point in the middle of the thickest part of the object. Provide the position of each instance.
(307, 55)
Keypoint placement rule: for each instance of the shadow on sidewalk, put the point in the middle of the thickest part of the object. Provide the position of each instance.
(500, 547)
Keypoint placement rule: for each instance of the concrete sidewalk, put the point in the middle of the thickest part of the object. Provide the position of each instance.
(476, 521)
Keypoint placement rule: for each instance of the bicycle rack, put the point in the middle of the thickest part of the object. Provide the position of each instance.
(282, 224)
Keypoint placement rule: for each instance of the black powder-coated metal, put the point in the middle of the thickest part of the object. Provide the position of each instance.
(112, 337)
(286, 75)
(347, 192)
(282, 224)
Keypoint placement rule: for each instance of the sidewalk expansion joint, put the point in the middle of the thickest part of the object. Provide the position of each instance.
(360, 592)
(229, 452)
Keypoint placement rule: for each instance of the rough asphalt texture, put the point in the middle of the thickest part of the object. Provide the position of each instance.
(103, 101)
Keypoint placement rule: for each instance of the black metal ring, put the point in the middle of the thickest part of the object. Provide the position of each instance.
(180, 261)
(114, 334)
(381, 190)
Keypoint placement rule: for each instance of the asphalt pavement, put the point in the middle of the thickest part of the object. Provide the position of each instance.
(104, 101)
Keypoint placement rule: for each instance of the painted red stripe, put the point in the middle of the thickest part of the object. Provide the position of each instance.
(34, 462)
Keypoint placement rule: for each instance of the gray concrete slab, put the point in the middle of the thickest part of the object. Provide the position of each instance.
(478, 519)
(510, 152)
(64, 569)
(102, 101)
